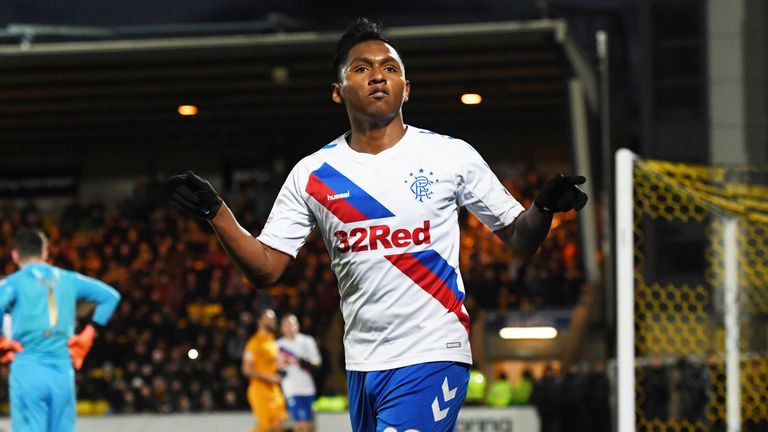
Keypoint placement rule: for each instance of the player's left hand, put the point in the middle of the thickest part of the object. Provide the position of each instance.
(8, 349)
(307, 366)
(561, 193)
(80, 344)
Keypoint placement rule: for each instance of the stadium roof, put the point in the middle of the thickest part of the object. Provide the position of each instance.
(82, 86)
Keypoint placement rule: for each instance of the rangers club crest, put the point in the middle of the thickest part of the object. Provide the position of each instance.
(420, 182)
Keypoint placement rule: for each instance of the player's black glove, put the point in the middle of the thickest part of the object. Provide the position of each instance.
(194, 195)
(561, 193)
(309, 367)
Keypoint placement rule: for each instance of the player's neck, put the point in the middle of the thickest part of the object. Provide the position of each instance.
(22, 263)
(369, 137)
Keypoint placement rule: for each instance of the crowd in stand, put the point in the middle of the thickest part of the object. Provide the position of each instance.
(175, 342)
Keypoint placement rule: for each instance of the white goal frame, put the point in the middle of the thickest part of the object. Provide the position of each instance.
(625, 303)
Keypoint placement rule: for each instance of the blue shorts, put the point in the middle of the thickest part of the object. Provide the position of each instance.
(423, 397)
(300, 408)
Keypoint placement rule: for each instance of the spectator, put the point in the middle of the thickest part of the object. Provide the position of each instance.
(599, 404)
(547, 398)
(694, 391)
(501, 392)
(656, 390)
(575, 400)
(523, 388)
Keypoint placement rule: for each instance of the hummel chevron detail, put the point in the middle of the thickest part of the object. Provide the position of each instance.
(437, 413)
(448, 394)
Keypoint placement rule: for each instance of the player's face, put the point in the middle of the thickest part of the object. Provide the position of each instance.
(269, 321)
(373, 82)
(289, 327)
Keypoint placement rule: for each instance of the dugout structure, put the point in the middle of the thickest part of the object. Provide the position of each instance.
(692, 281)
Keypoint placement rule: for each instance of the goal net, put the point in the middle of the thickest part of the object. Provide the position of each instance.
(692, 296)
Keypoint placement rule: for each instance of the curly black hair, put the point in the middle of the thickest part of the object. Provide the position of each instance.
(361, 30)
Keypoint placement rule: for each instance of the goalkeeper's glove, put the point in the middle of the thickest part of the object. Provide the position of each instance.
(561, 193)
(8, 349)
(194, 195)
(80, 344)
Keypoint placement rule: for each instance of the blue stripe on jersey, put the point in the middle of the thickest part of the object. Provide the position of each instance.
(440, 267)
(358, 198)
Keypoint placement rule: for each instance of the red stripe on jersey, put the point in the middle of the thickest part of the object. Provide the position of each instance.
(340, 207)
(431, 283)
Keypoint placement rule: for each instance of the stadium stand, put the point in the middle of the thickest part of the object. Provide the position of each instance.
(180, 293)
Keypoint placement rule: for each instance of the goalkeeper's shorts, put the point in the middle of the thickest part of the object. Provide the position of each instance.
(42, 394)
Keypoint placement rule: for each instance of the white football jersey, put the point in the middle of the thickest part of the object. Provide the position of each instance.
(297, 380)
(390, 223)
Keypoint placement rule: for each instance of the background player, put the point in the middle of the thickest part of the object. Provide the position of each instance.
(42, 300)
(301, 358)
(261, 363)
(385, 196)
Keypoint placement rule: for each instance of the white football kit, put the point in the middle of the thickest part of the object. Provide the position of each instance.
(298, 381)
(390, 223)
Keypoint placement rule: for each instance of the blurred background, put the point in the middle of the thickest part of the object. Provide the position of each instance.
(101, 101)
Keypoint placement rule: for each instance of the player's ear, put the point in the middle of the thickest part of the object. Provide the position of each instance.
(336, 93)
(15, 256)
(407, 91)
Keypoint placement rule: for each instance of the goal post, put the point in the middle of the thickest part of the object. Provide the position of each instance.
(692, 296)
(625, 290)
(732, 336)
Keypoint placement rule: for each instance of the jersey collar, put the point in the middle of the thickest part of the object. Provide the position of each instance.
(367, 158)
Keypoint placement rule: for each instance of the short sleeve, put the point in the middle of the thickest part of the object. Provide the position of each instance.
(250, 350)
(481, 192)
(291, 220)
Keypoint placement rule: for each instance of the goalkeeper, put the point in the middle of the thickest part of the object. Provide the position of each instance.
(42, 300)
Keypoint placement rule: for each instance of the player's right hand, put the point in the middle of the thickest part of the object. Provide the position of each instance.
(8, 349)
(194, 195)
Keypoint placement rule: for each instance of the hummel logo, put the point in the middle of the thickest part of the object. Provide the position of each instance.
(448, 394)
(338, 196)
